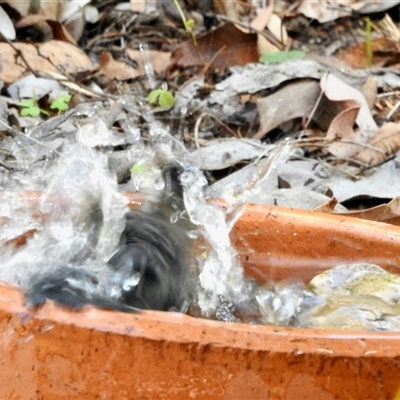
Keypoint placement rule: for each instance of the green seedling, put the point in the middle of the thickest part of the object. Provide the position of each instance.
(30, 107)
(281, 56)
(61, 103)
(163, 98)
(136, 168)
(187, 23)
(368, 44)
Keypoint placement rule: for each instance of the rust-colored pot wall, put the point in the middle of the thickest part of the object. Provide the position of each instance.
(53, 353)
(277, 242)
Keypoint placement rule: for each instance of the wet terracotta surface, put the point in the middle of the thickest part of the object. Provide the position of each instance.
(54, 353)
(277, 242)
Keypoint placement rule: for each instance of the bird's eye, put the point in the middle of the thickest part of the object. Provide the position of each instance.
(150, 275)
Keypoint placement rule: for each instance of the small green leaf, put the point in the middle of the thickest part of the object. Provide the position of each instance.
(136, 168)
(30, 108)
(61, 103)
(166, 99)
(281, 56)
(153, 96)
(30, 112)
(163, 98)
(27, 103)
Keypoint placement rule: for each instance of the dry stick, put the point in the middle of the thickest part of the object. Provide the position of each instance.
(116, 109)
(40, 75)
(387, 94)
(310, 116)
(208, 64)
(231, 131)
(327, 144)
(392, 111)
(197, 126)
(342, 171)
(196, 130)
(368, 167)
(365, 145)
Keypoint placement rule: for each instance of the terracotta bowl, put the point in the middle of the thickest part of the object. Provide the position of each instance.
(54, 353)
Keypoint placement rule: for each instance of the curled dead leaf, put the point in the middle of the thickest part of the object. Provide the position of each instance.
(340, 128)
(224, 47)
(370, 91)
(339, 91)
(389, 213)
(327, 207)
(355, 111)
(294, 100)
(158, 60)
(385, 143)
(113, 69)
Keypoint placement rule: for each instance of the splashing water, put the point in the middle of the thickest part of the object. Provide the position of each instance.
(277, 157)
(82, 216)
(221, 273)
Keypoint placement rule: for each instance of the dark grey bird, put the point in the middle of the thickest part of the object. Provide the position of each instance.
(150, 269)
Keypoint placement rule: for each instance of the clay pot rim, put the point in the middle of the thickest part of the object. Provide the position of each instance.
(167, 326)
(180, 328)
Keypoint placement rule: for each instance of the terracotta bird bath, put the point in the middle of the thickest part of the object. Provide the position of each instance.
(53, 353)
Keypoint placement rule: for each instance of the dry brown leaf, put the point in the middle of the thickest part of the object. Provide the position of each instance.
(370, 91)
(341, 127)
(355, 110)
(63, 55)
(385, 51)
(339, 91)
(386, 141)
(325, 112)
(263, 17)
(51, 9)
(39, 23)
(328, 10)
(389, 213)
(66, 56)
(158, 60)
(114, 69)
(327, 207)
(265, 46)
(320, 11)
(224, 47)
(29, 20)
(74, 27)
(276, 27)
(295, 100)
(60, 32)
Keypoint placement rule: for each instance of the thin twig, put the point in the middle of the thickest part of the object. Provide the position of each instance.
(20, 54)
